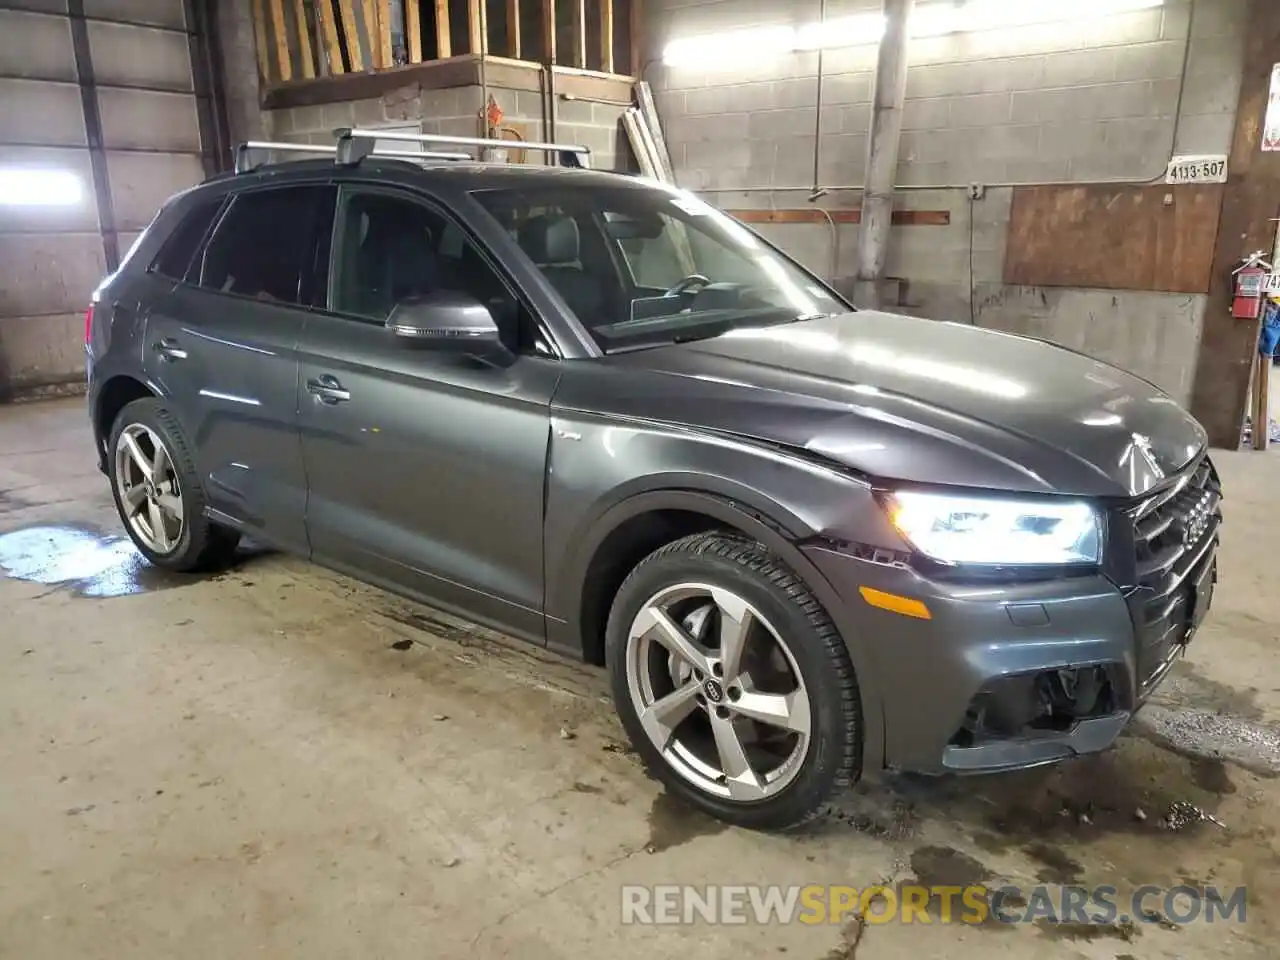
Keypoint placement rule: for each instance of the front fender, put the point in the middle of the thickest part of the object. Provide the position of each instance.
(602, 474)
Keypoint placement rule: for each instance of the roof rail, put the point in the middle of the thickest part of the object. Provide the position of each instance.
(356, 144)
(244, 163)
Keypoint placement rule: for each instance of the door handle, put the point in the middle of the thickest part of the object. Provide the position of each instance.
(327, 389)
(168, 349)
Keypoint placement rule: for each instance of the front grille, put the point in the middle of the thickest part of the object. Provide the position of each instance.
(1175, 532)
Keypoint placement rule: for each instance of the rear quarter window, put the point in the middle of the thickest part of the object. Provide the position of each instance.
(179, 250)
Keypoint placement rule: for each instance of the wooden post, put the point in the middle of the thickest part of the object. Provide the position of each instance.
(281, 40)
(304, 39)
(371, 32)
(475, 33)
(636, 15)
(1262, 403)
(351, 34)
(413, 29)
(388, 58)
(580, 35)
(1251, 197)
(329, 30)
(260, 39)
(606, 36)
(444, 45)
(549, 30)
(513, 27)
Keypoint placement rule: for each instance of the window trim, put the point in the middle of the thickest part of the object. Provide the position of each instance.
(440, 207)
(228, 204)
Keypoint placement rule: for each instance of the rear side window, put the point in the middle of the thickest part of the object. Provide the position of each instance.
(264, 245)
(174, 258)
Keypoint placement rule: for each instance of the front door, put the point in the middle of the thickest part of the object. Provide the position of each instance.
(223, 347)
(425, 470)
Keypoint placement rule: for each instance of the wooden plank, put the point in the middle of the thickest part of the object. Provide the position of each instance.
(304, 39)
(413, 29)
(370, 12)
(513, 28)
(351, 34)
(549, 30)
(606, 36)
(475, 31)
(329, 30)
(635, 17)
(260, 39)
(387, 57)
(1252, 197)
(444, 45)
(1261, 402)
(1120, 237)
(580, 35)
(281, 40)
(901, 218)
(649, 112)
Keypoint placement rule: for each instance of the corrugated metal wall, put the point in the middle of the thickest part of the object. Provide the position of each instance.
(66, 68)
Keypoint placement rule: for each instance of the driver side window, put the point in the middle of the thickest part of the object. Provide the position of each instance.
(390, 248)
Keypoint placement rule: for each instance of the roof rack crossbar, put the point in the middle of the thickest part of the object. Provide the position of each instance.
(571, 154)
(244, 164)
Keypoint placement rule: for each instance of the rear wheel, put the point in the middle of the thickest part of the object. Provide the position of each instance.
(158, 493)
(732, 682)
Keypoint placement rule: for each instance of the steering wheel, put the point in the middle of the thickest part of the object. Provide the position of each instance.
(688, 283)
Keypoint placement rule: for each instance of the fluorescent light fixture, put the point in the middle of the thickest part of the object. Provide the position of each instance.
(38, 188)
(931, 20)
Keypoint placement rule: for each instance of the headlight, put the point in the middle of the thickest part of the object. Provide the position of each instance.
(956, 529)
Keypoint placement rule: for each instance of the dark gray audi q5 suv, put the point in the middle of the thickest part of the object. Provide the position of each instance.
(598, 414)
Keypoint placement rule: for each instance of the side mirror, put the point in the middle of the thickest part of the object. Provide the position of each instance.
(446, 320)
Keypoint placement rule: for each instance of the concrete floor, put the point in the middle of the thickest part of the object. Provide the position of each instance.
(258, 763)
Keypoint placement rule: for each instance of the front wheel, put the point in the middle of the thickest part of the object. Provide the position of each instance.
(732, 682)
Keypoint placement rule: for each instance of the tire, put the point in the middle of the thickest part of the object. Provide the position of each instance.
(198, 544)
(791, 629)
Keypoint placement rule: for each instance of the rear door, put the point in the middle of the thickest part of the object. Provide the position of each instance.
(223, 346)
(426, 470)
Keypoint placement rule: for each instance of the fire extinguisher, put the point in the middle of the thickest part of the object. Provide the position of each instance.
(1250, 287)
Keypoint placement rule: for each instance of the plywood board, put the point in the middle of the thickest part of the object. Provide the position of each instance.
(1115, 237)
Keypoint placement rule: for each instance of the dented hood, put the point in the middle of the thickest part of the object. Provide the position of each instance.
(897, 397)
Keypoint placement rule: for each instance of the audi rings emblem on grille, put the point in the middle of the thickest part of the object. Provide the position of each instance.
(1197, 520)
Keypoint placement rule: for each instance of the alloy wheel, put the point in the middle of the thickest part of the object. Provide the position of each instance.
(718, 692)
(147, 484)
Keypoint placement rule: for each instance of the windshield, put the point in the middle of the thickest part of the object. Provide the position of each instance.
(642, 266)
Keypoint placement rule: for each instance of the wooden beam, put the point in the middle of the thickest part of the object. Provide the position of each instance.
(351, 34)
(413, 29)
(475, 29)
(260, 39)
(606, 36)
(444, 45)
(1251, 197)
(388, 58)
(329, 30)
(370, 10)
(281, 40)
(513, 28)
(549, 30)
(901, 218)
(580, 35)
(304, 39)
(635, 16)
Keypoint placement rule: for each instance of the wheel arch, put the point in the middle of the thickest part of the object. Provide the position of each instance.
(594, 571)
(112, 397)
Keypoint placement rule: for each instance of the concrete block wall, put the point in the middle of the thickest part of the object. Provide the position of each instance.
(1076, 101)
(456, 111)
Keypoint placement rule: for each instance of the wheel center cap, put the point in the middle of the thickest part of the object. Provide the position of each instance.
(713, 690)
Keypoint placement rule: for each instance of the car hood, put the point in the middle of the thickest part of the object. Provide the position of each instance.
(897, 397)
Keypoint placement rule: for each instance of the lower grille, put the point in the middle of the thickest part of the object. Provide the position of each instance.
(1175, 533)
